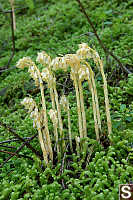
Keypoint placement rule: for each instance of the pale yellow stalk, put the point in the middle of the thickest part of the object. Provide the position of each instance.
(94, 110)
(85, 52)
(95, 104)
(56, 137)
(59, 118)
(78, 106)
(107, 106)
(55, 125)
(95, 95)
(53, 116)
(30, 104)
(52, 98)
(65, 104)
(42, 146)
(74, 62)
(82, 108)
(69, 126)
(106, 99)
(45, 115)
(51, 80)
(77, 139)
(96, 100)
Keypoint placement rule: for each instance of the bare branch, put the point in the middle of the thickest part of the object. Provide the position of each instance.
(18, 150)
(11, 156)
(13, 140)
(10, 147)
(21, 139)
(15, 154)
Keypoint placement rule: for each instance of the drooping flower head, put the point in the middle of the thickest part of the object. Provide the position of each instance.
(34, 74)
(29, 104)
(83, 73)
(43, 58)
(24, 62)
(48, 77)
(59, 63)
(84, 51)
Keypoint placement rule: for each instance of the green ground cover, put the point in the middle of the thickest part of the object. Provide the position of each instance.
(57, 27)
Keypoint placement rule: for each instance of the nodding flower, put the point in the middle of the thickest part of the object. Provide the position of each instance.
(24, 62)
(29, 104)
(43, 58)
(48, 77)
(59, 63)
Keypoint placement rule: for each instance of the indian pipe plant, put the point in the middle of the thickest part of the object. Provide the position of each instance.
(81, 70)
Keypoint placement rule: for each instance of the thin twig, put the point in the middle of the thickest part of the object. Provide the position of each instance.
(15, 154)
(13, 140)
(106, 51)
(10, 147)
(21, 139)
(19, 149)
(12, 155)
(13, 39)
(3, 69)
(9, 11)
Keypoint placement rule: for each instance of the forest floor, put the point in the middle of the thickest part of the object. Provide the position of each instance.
(58, 27)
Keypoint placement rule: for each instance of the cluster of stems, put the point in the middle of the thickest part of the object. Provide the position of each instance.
(80, 71)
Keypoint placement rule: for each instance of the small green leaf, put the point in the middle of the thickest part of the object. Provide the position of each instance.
(122, 107)
(129, 119)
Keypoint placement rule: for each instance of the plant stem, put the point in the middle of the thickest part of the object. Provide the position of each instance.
(52, 98)
(109, 124)
(69, 126)
(59, 118)
(82, 108)
(45, 115)
(40, 136)
(94, 110)
(96, 100)
(78, 107)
